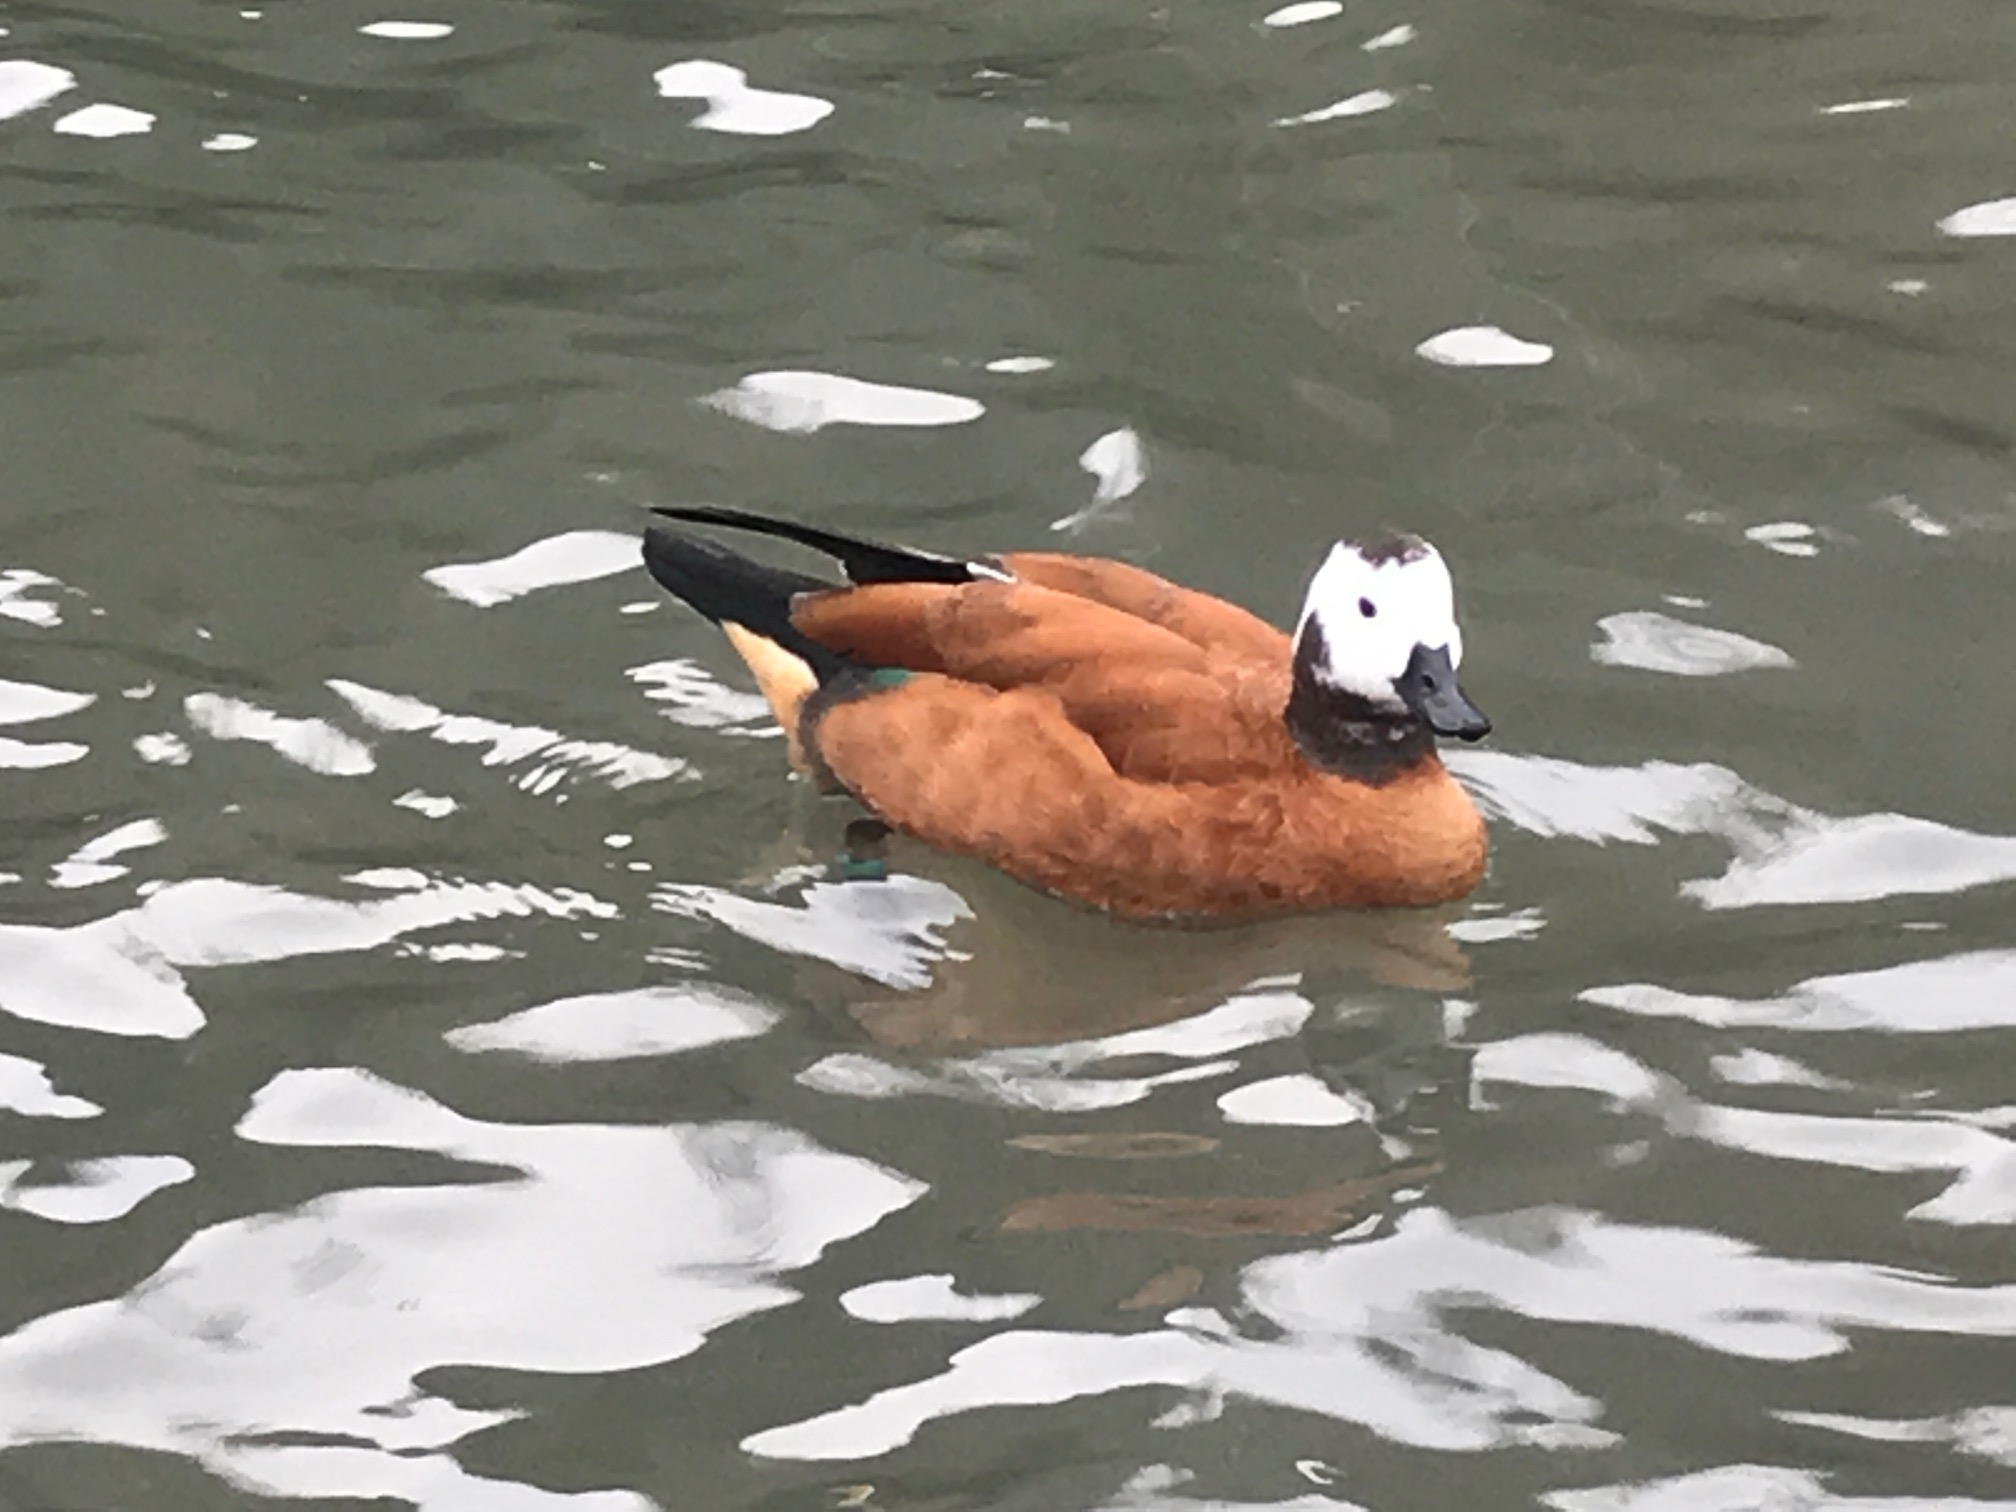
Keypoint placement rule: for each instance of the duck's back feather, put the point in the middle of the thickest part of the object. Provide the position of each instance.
(1222, 628)
(1160, 707)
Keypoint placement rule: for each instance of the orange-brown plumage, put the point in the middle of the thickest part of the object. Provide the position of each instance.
(1160, 706)
(1105, 735)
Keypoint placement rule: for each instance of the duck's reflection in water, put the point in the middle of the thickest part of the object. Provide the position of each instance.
(956, 983)
(935, 955)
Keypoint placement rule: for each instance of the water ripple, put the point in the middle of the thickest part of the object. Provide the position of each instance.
(802, 402)
(1785, 854)
(554, 757)
(16, 584)
(734, 106)
(314, 744)
(25, 1088)
(91, 1191)
(576, 556)
(118, 975)
(630, 1246)
(1656, 642)
(609, 1026)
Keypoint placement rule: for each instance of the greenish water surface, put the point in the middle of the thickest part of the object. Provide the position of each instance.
(435, 1069)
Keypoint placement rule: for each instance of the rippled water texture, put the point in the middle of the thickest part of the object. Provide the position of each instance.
(436, 1062)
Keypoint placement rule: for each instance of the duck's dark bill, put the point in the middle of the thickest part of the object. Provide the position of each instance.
(1428, 687)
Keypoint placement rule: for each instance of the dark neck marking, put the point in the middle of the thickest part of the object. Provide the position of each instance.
(1345, 734)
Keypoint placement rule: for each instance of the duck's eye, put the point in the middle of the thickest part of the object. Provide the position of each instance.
(1367, 608)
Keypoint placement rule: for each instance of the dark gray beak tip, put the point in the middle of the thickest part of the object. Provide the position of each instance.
(1428, 687)
(1473, 729)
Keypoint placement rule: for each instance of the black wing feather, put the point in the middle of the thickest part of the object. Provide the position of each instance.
(726, 586)
(863, 561)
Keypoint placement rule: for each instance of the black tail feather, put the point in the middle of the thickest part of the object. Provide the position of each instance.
(864, 561)
(726, 586)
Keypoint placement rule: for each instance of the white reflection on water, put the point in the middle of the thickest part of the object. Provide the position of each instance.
(621, 1025)
(217, 922)
(93, 1191)
(1987, 1433)
(1654, 642)
(736, 107)
(1148, 1491)
(1300, 1100)
(1366, 102)
(1484, 346)
(24, 703)
(1945, 995)
(627, 1247)
(1784, 854)
(1366, 1333)
(101, 976)
(162, 748)
(554, 757)
(977, 1081)
(1858, 860)
(1867, 107)
(1793, 538)
(92, 862)
(1551, 797)
(1901, 507)
(15, 585)
(576, 556)
(407, 31)
(693, 698)
(1749, 1486)
(908, 1299)
(1118, 463)
(25, 1088)
(432, 805)
(1303, 12)
(1989, 218)
(1119, 466)
(1060, 1078)
(312, 743)
(1751, 1067)
(890, 931)
(802, 402)
(1239, 1023)
(1021, 1368)
(26, 85)
(1981, 1164)
(30, 756)
(104, 121)
(1569, 1060)
(117, 975)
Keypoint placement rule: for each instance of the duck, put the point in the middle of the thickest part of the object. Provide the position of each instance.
(1105, 735)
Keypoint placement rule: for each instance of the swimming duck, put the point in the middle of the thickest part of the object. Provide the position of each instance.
(1105, 735)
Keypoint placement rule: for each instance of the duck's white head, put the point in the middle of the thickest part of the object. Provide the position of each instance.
(1379, 624)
